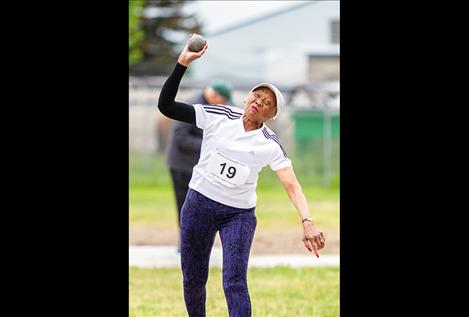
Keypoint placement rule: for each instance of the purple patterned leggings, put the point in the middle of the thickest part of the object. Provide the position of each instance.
(201, 218)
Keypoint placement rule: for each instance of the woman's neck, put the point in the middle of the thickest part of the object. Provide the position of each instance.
(250, 125)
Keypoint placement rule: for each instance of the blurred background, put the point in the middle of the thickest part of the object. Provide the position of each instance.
(293, 44)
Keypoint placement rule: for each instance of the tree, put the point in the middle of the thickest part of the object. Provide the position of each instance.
(163, 27)
(135, 31)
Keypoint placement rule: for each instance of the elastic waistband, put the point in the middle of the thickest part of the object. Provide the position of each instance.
(191, 191)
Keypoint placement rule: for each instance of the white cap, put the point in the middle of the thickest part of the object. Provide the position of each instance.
(278, 96)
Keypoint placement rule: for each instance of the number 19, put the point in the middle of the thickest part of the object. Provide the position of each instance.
(231, 172)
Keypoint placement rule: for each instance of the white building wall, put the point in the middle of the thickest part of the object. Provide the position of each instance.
(289, 67)
(243, 54)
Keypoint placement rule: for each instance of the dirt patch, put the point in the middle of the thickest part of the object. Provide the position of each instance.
(265, 241)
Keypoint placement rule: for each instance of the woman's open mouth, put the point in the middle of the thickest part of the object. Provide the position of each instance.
(254, 108)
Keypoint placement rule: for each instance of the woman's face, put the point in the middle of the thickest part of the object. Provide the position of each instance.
(260, 105)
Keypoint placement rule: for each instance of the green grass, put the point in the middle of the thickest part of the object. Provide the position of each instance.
(152, 202)
(156, 208)
(152, 171)
(274, 292)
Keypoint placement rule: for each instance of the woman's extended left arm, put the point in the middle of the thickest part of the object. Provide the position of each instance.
(312, 237)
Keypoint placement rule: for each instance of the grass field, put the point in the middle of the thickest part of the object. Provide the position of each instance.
(152, 201)
(274, 292)
(152, 171)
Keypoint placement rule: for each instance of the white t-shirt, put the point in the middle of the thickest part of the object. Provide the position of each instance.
(231, 158)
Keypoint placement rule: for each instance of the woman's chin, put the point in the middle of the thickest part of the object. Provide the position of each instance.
(251, 115)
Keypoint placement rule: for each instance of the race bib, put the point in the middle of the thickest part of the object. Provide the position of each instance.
(226, 171)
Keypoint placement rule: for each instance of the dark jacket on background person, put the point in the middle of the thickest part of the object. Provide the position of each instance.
(185, 141)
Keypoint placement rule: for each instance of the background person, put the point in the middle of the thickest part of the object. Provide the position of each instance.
(185, 139)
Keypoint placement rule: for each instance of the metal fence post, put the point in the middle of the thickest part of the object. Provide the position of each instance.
(327, 148)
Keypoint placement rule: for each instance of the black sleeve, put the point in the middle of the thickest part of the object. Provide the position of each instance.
(168, 106)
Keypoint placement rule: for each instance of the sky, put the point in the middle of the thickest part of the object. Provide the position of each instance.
(216, 15)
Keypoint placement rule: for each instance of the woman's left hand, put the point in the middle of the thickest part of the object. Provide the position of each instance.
(313, 239)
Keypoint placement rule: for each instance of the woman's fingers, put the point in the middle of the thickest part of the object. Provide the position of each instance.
(320, 241)
(314, 247)
(307, 246)
(317, 242)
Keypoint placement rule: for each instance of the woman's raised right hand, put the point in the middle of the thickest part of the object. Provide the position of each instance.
(187, 56)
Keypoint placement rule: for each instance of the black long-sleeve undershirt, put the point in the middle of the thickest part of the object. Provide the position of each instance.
(168, 106)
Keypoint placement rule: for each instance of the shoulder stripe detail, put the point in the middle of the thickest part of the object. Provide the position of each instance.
(222, 108)
(224, 111)
(270, 136)
(274, 138)
(229, 116)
